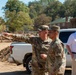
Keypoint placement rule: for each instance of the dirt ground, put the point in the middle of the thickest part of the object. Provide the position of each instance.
(7, 68)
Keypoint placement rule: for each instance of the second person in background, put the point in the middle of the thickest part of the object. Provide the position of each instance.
(56, 54)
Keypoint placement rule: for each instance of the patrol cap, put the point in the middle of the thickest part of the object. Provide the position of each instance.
(43, 27)
(55, 27)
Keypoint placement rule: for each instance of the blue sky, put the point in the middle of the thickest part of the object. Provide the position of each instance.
(3, 2)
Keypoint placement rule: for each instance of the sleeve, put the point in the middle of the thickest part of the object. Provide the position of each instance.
(70, 40)
(58, 56)
(23, 39)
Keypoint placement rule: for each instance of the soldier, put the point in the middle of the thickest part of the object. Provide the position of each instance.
(40, 47)
(56, 55)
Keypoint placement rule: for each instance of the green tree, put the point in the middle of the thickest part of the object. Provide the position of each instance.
(16, 5)
(53, 9)
(17, 21)
(41, 20)
(61, 11)
(2, 24)
(46, 2)
(16, 15)
(35, 9)
(70, 8)
(38, 7)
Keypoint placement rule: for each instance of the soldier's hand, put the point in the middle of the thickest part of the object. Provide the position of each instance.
(7, 34)
(43, 56)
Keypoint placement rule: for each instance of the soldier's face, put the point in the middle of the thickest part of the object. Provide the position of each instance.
(52, 34)
(43, 32)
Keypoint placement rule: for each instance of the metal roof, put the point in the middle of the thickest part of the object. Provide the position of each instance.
(61, 20)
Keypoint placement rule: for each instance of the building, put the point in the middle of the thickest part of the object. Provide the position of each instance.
(73, 22)
(62, 22)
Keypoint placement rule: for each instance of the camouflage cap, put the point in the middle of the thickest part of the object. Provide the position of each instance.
(43, 27)
(55, 27)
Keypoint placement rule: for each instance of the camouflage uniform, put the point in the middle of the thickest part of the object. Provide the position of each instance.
(57, 60)
(39, 46)
(56, 57)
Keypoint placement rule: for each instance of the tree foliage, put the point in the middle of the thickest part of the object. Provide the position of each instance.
(46, 2)
(17, 21)
(16, 5)
(16, 15)
(35, 9)
(53, 9)
(70, 8)
(41, 20)
(19, 16)
(2, 24)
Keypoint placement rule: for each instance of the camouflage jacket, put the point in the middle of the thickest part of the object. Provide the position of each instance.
(39, 46)
(56, 56)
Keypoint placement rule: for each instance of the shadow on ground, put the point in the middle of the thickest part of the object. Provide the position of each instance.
(15, 73)
(67, 72)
